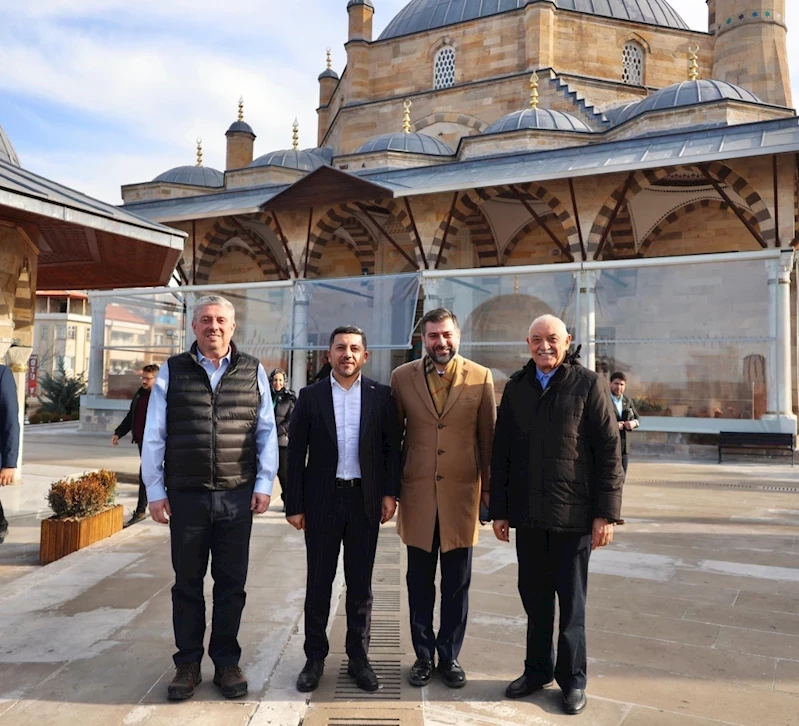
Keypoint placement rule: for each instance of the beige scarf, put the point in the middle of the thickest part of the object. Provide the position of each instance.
(439, 385)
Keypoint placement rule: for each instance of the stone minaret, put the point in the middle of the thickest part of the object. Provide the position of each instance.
(361, 13)
(750, 47)
(240, 142)
(328, 80)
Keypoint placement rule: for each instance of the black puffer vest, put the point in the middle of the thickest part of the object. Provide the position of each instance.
(211, 435)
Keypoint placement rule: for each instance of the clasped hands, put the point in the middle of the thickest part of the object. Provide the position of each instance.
(601, 532)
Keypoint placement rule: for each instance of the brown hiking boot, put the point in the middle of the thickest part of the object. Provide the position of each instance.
(231, 680)
(186, 679)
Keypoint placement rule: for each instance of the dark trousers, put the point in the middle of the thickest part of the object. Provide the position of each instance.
(282, 469)
(554, 563)
(624, 460)
(215, 524)
(456, 576)
(343, 520)
(141, 504)
(3, 523)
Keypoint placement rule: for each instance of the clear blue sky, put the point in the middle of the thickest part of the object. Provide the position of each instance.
(96, 93)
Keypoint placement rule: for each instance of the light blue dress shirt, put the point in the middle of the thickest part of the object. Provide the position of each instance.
(545, 378)
(154, 448)
(617, 402)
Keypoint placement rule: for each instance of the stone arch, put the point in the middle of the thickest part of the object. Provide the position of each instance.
(24, 304)
(482, 237)
(440, 43)
(720, 172)
(635, 38)
(245, 250)
(347, 217)
(684, 211)
(469, 202)
(520, 234)
(216, 239)
(462, 119)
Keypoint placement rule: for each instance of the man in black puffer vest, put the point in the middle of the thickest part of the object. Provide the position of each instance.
(556, 477)
(209, 461)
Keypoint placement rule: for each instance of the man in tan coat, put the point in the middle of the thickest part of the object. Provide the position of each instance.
(447, 411)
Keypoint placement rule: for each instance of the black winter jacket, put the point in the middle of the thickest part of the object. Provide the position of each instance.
(283, 402)
(556, 461)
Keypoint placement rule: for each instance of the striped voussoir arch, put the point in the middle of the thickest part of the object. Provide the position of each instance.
(452, 117)
(514, 241)
(222, 232)
(23, 302)
(468, 205)
(684, 211)
(753, 200)
(363, 244)
(343, 216)
(482, 237)
(268, 270)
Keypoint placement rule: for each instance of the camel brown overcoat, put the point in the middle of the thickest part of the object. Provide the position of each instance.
(445, 458)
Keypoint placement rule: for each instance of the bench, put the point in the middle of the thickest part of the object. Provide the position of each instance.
(758, 441)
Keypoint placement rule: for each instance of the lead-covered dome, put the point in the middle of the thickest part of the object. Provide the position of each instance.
(196, 176)
(420, 15)
(7, 152)
(299, 159)
(687, 93)
(537, 118)
(411, 143)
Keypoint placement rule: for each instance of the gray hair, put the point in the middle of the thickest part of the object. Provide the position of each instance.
(554, 319)
(207, 300)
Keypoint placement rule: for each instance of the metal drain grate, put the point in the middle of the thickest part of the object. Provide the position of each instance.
(385, 634)
(386, 601)
(387, 671)
(721, 485)
(387, 576)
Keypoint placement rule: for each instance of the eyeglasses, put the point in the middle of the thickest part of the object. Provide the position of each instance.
(147, 378)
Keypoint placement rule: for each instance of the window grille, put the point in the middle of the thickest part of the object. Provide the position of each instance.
(633, 64)
(444, 68)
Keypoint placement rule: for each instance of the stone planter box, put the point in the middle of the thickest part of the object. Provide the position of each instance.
(60, 537)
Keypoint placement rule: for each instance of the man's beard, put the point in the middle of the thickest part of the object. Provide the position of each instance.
(444, 357)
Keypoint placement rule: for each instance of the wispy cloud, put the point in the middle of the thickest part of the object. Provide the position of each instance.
(97, 93)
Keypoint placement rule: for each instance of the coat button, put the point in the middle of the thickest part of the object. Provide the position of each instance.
(441, 426)
(439, 477)
(440, 451)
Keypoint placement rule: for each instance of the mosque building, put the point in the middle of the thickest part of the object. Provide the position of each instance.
(604, 136)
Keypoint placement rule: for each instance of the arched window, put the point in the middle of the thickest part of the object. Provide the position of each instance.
(444, 68)
(632, 63)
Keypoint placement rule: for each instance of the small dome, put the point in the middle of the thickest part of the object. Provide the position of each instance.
(368, 3)
(196, 176)
(302, 160)
(328, 73)
(411, 143)
(538, 118)
(688, 93)
(421, 15)
(240, 127)
(7, 152)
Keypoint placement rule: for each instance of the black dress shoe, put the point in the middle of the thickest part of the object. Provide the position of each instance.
(361, 670)
(454, 676)
(574, 701)
(421, 672)
(308, 680)
(526, 684)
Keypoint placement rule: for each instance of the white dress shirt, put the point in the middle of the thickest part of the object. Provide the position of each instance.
(347, 408)
(154, 447)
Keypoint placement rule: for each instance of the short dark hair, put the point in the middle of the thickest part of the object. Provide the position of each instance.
(439, 315)
(151, 368)
(619, 375)
(347, 330)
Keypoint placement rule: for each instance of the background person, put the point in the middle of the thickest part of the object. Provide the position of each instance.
(343, 484)
(447, 409)
(133, 424)
(9, 437)
(209, 462)
(556, 477)
(626, 414)
(283, 402)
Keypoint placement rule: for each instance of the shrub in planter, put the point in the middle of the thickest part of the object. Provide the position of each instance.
(84, 496)
(35, 418)
(45, 417)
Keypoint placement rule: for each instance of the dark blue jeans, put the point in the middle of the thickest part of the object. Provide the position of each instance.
(218, 525)
(550, 563)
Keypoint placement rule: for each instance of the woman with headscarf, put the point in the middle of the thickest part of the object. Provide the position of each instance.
(283, 401)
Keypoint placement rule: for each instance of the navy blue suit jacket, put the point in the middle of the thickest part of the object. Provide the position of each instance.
(313, 449)
(9, 420)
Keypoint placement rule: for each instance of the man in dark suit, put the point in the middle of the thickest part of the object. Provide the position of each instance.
(9, 436)
(626, 414)
(343, 482)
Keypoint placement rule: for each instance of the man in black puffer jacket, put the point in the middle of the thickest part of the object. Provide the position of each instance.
(556, 477)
